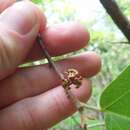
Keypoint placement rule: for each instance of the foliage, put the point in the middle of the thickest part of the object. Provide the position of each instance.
(115, 102)
(117, 122)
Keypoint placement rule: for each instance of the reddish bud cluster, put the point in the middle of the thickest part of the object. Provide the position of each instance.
(73, 77)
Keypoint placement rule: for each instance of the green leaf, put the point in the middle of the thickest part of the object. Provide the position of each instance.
(116, 97)
(117, 122)
(115, 102)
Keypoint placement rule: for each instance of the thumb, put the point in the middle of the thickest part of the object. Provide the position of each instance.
(19, 26)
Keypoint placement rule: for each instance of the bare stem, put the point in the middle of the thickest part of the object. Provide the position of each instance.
(78, 105)
(46, 54)
(91, 107)
(118, 16)
(52, 64)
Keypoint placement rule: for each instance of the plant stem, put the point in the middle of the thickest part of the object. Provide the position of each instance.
(78, 105)
(74, 100)
(46, 54)
(91, 107)
(117, 16)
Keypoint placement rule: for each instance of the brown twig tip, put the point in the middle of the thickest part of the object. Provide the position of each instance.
(72, 75)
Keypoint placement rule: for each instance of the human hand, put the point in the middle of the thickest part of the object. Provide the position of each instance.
(32, 98)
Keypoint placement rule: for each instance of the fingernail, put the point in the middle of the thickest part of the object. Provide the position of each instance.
(21, 17)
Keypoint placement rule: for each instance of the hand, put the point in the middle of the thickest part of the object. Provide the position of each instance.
(32, 98)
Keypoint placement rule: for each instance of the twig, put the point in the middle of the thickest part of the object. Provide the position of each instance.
(66, 82)
(53, 66)
(75, 101)
(46, 54)
(66, 85)
(91, 107)
(118, 17)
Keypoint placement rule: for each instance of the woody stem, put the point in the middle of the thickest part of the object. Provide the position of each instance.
(46, 54)
(71, 96)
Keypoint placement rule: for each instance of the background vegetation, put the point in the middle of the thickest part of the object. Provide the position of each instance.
(106, 40)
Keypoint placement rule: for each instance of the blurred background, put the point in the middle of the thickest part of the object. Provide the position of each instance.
(106, 39)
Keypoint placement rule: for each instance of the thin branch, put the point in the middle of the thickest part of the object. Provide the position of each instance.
(118, 17)
(74, 100)
(91, 107)
(68, 92)
(46, 54)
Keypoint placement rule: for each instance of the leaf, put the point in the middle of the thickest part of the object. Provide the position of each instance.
(117, 122)
(116, 97)
(115, 102)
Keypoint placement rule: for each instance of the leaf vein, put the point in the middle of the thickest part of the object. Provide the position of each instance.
(115, 101)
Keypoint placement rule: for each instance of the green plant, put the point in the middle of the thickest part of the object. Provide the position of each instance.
(115, 102)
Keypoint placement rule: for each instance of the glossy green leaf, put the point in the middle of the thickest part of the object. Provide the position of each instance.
(115, 102)
(116, 97)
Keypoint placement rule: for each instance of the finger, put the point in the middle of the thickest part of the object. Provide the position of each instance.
(36, 80)
(60, 39)
(5, 4)
(43, 111)
(64, 38)
(17, 34)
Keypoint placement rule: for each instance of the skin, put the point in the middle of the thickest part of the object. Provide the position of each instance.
(32, 98)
